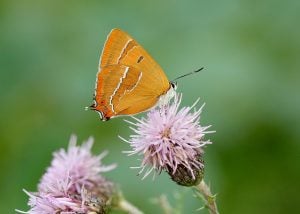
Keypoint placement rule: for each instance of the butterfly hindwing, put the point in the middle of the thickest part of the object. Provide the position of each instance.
(123, 89)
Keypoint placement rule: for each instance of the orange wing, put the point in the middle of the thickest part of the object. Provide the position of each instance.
(129, 81)
(123, 90)
(114, 47)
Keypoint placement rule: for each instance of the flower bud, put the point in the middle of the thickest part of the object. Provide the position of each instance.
(188, 177)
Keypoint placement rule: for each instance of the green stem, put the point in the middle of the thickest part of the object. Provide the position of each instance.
(165, 205)
(209, 199)
(128, 207)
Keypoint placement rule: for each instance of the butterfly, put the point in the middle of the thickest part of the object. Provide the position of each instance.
(129, 81)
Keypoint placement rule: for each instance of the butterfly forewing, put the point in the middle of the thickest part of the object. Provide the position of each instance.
(140, 59)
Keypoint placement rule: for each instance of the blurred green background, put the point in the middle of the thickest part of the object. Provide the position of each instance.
(251, 83)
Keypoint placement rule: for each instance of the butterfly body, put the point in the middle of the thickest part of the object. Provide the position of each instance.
(129, 81)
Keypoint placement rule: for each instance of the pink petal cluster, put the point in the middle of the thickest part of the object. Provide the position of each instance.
(169, 138)
(73, 183)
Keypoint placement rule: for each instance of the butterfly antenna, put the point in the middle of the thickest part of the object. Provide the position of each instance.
(193, 72)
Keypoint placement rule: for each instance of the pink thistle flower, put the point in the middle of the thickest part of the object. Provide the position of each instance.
(171, 139)
(73, 183)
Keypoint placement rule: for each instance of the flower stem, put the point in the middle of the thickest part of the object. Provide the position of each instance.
(163, 202)
(128, 207)
(209, 199)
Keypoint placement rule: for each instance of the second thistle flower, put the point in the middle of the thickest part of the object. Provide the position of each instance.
(171, 139)
(73, 183)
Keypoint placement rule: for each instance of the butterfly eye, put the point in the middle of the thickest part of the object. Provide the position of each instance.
(174, 85)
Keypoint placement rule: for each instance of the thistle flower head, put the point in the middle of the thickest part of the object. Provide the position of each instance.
(170, 139)
(73, 183)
